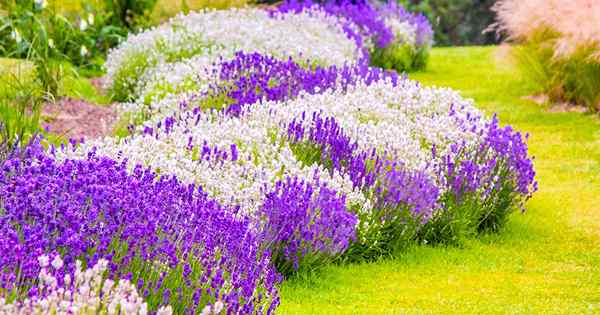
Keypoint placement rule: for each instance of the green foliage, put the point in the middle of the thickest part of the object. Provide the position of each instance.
(133, 15)
(19, 113)
(125, 80)
(402, 58)
(382, 233)
(573, 78)
(38, 31)
(457, 22)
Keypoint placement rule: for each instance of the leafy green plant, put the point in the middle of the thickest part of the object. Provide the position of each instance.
(37, 31)
(402, 58)
(30, 38)
(131, 14)
(19, 114)
(457, 22)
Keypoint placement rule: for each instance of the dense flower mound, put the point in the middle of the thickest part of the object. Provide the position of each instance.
(307, 35)
(168, 238)
(301, 222)
(393, 37)
(81, 292)
(381, 145)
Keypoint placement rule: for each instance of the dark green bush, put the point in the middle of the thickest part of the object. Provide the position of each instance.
(402, 58)
(457, 22)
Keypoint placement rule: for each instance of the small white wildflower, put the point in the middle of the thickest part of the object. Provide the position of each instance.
(218, 307)
(90, 19)
(51, 43)
(44, 260)
(16, 35)
(83, 51)
(41, 3)
(57, 263)
(83, 25)
(207, 310)
(165, 310)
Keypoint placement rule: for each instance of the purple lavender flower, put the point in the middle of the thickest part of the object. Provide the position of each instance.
(423, 29)
(301, 222)
(492, 178)
(160, 232)
(252, 77)
(359, 14)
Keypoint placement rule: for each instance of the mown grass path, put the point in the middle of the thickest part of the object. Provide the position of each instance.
(546, 261)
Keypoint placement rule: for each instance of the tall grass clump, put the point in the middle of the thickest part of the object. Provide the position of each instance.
(559, 46)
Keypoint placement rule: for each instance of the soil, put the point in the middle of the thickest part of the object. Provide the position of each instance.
(71, 118)
(556, 107)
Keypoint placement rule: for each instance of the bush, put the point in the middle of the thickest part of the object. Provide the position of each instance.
(391, 36)
(457, 22)
(400, 58)
(33, 30)
(559, 46)
(179, 247)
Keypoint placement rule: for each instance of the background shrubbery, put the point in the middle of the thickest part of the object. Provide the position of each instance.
(457, 22)
(559, 46)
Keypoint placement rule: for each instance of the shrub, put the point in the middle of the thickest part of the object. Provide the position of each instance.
(206, 34)
(80, 292)
(393, 37)
(305, 226)
(35, 30)
(177, 245)
(560, 46)
(457, 22)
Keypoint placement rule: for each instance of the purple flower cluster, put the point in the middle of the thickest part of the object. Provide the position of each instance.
(399, 186)
(335, 149)
(489, 180)
(252, 77)
(369, 18)
(302, 222)
(359, 14)
(403, 200)
(424, 32)
(500, 158)
(392, 185)
(169, 238)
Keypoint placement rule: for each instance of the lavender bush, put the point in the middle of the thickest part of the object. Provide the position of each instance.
(402, 199)
(390, 36)
(252, 77)
(179, 247)
(482, 184)
(304, 225)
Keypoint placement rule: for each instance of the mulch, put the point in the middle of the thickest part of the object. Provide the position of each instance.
(71, 118)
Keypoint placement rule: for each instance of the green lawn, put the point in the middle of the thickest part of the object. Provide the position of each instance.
(546, 261)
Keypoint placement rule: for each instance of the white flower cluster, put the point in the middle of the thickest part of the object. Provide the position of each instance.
(309, 35)
(86, 293)
(404, 32)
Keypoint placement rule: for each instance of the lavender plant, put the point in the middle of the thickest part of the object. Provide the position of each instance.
(305, 226)
(390, 36)
(402, 199)
(252, 77)
(179, 247)
(482, 184)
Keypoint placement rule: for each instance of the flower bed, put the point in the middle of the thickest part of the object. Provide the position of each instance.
(248, 166)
